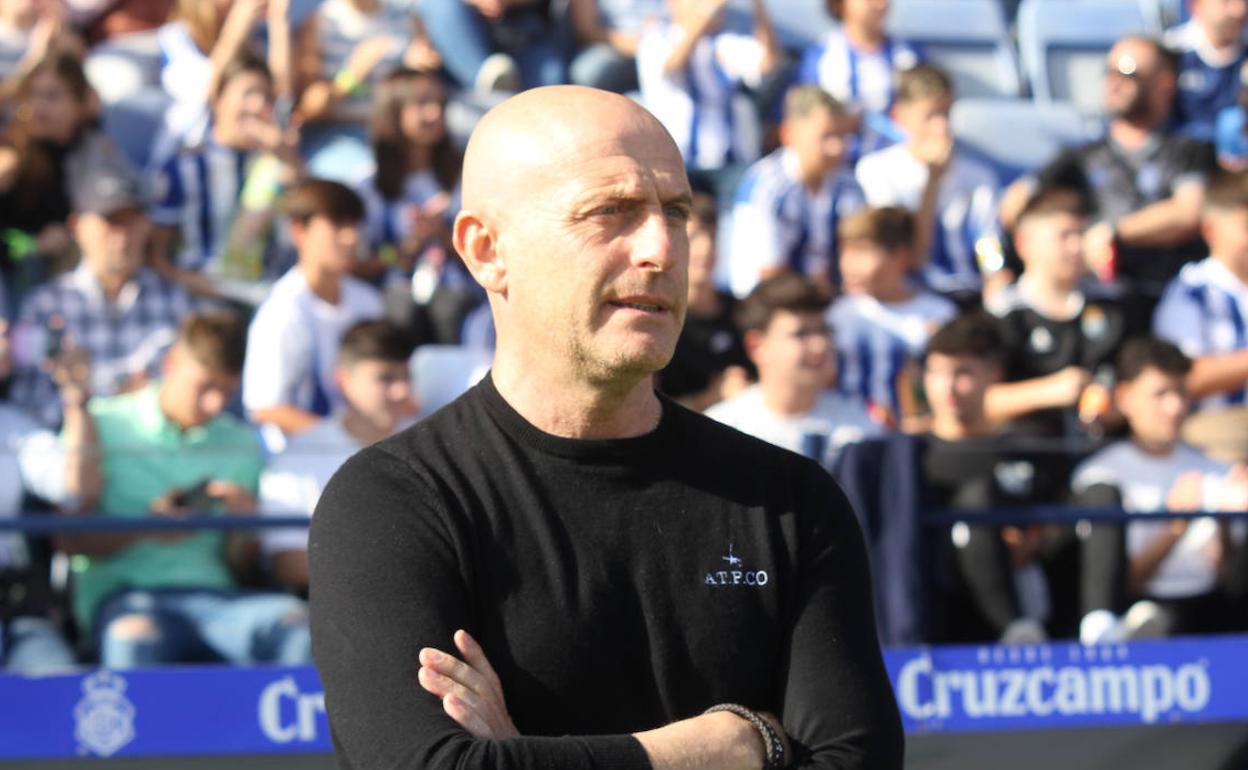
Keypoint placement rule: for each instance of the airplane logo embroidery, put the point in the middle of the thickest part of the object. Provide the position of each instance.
(735, 574)
(733, 561)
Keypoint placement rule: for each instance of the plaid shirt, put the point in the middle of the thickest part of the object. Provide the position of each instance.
(124, 338)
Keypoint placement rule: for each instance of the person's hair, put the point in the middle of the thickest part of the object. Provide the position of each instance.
(244, 63)
(202, 21)
(217, 340)
(1054, 200)
(374, 341)
(787, 292)
(1147, 352)
(889, 227)
(324, 198)
(922, 81)
(971, 334)
(391, 149)
(704, 210)
(36, 177)
(1227, 191)
(1165, 57)
(800, 101)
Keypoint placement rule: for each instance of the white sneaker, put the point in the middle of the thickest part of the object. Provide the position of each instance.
(499, 72)
(1145, 620)
(1024, 631)
(1099, 627)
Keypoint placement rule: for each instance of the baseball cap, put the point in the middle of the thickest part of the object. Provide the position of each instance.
(106, 184)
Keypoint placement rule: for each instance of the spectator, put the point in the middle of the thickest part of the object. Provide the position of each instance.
(1210, 51)
(1059, 333)
(793, 406)
(498, 45)
(1203, 312)
(29, 30)
(375, 380)
(1174, 564)
(881, 322)
(857, 63)
(953, 195)
(1144, 183)
(689, 69)
(122, 315)
(293, 340)
(171, 450)
(607, 35)
(213, 200)
(790, 203)
(709, 363)
(102, 20)
(1231, 129)
(343, 49)
(411, 200)
(42, 156)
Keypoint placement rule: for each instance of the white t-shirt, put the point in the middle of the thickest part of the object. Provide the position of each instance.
(834, 421)
(966, 205)
(292, 345)
(31, 460)
(292, 482)
(1144, 481)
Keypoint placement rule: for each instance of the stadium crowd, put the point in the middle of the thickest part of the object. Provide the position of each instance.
(214, 327)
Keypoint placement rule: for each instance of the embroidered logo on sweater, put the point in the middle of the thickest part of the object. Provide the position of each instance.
(736, 574)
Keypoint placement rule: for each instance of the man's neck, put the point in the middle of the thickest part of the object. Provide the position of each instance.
(785, 399)
(1131, 135)
(1053, 298)
(1237, 267)
(864, 38)
(1221, 51)
(897, 291)
(561, 404)
(1161, 449)
(111, 285)
(948, 428)
(325, 284)
(362, 429)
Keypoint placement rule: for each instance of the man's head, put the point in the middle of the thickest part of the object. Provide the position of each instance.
(876, 247)
(108, 222)
(922, 103)
(325, 224)
(242, 106)
(373, 373)
(1049, 236)
(1140, 79)
(703, 224)
(1222, 20)
(574, 216)
(1151, 392)
(866, 14)
(203, 368)
(963, 359)
(816, 128)
(1224, 223)
(784, 322)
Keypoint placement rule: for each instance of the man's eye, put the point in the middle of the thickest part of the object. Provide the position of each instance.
(678, 213)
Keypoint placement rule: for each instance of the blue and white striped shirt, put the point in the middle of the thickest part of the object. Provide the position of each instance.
(1205, 312)
(197, 191)
(778, 222)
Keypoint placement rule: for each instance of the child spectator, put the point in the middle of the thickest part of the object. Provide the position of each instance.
(1203, 312)
(788, 339)
(1210, 50)
(790, 203)
(1175, 564)
(953, 195)
(882, 323)
(689, 70)
(171, 450)
(293, 341)
(374, 378)
(1060, 334)
(28, 32)
(858, 63)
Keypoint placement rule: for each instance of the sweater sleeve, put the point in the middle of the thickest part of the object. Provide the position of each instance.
(387, 579)
(838, 706)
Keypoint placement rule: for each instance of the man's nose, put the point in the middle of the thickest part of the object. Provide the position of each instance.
(655, 242)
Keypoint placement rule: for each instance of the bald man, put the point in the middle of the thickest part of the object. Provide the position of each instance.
(562, 569)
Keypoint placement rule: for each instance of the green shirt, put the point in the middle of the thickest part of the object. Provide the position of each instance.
(145, 455)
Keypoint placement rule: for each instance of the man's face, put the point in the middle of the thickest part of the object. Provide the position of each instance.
(1226, 232)
(380, 391)
(818, 139)
(1051, 245)
(1223, 20)
(597, 256)
(1155, 404)
(112, 246)
(867, 13)
(955, 386)
(329, 245)
(243, 108)
(867, 268)
(1137, 86)
(796, 348)
(701, 251)
(925, 120)
(192, 393)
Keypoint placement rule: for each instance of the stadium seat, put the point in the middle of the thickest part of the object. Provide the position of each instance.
(440, 373)
(969, 39)
(134, 120)
(1018, 135)
(1063, 45)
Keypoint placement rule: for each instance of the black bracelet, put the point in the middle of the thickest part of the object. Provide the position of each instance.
(773, 745)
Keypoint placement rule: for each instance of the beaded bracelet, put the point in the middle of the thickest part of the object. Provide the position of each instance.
(773, 745)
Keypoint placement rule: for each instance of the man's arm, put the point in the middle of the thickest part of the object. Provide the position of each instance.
(1006, 401)
(1168, 222)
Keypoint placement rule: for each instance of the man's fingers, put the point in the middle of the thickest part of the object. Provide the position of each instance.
(466, 716)
(475, 656)
(450, 666)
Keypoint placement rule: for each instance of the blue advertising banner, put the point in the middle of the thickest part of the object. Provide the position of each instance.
(267, 710)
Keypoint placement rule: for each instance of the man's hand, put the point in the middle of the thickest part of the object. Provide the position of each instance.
(1187, 494)
(236, 499)
(71, 371)
(470, 691)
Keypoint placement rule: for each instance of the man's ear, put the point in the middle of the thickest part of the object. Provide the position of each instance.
(298, 230)
(752, 340)
(477, 244)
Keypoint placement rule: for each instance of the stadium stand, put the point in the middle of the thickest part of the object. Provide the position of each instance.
(969, 39)
(1018, 135)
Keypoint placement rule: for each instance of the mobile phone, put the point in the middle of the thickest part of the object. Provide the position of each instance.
(54, 342)
(195, 499)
